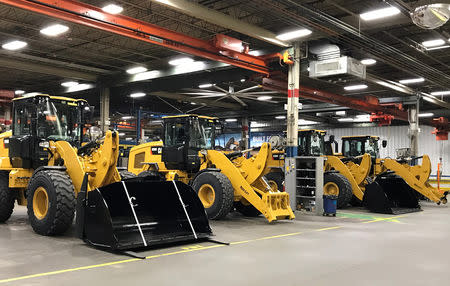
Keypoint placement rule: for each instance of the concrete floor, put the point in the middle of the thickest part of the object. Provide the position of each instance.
(354, 248)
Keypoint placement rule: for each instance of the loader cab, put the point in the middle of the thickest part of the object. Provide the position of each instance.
(39, 119)
(353, 146)
(311, 142)
(184, 137)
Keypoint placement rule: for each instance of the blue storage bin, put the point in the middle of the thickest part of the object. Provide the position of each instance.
(329, 205)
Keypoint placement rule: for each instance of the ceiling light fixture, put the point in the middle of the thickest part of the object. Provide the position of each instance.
(205, 85)
(341, 113)
(280, 117)
(180, 61)
(380, 13)
(368, 62)
(146, 75)
(348, 119)
(433, 43)
(231, 120)
(137, 94)
(19, 92)
(438, 48)
(79, 87)
(136, 70)
(411, 80)
(444, 92)
(293, 34)
(69, 83)
(264, 98)
(243, 79)
(112, 9)
(14, 45)
(427, 114)
(54, 30)
(127, 117)
(306, 122)
(355, 87)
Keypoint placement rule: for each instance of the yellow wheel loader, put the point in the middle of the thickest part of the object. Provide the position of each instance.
(398, 180)
(46, 165)
(222, 181)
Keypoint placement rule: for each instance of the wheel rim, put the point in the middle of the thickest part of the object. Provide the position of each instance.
(40, 203)
(273, 185)
(207, 195)
(331, 189)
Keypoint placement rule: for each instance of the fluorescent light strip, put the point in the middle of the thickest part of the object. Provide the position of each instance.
(231, 120)
(137, 94)
(181, 61)
(368, 62)
(433, 43)
(356, 87)
(294, 34)
(14, 45)
(380, 13)
(438, 48)
(444, 92)
(429, 114)
(411, 80)
(264, 97)
(136, 70)
(112, 9)
(69, 84)
(205, 85)
(54, 30)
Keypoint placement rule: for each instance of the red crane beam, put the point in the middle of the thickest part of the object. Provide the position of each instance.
(94, 17)
(323, 96)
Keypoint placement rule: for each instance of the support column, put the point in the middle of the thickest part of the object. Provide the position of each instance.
(104, 109)
(413, 132)
(245, 133)
(292, 105)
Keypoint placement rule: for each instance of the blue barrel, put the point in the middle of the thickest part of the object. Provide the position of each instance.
(329, 205)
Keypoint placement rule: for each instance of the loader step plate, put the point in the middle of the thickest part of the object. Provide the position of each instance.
(138, 213)
(390, 195)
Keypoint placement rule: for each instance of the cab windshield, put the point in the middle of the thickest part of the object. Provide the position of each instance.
(371, 147)
(59, 120)
(202, 133)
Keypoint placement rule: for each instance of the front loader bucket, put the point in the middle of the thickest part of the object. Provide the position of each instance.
(390, 195)
(138, 212)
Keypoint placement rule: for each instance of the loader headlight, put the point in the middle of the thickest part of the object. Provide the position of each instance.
(6, 141)
(44, 144)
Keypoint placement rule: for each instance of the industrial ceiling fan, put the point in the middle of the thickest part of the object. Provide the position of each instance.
(221, 93)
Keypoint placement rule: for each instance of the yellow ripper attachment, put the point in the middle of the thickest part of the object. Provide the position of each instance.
(250, 187)
(417, 178)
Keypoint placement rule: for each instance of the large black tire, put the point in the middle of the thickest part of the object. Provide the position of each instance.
(344, 187)
(247, 209)
(155, 176)
(276, 177)
(7, 197)
(61, 202)
(126, 175)
(222, 202)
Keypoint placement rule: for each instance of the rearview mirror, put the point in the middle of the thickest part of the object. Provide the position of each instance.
(331, 138)
(384, 143)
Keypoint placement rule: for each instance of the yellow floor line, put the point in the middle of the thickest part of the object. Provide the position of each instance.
(329, 228)
(185, 250)
(384, 219)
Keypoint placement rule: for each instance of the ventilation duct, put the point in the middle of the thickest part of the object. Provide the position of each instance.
(342, 68)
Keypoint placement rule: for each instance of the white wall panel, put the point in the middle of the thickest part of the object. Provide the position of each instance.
(397, 137)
